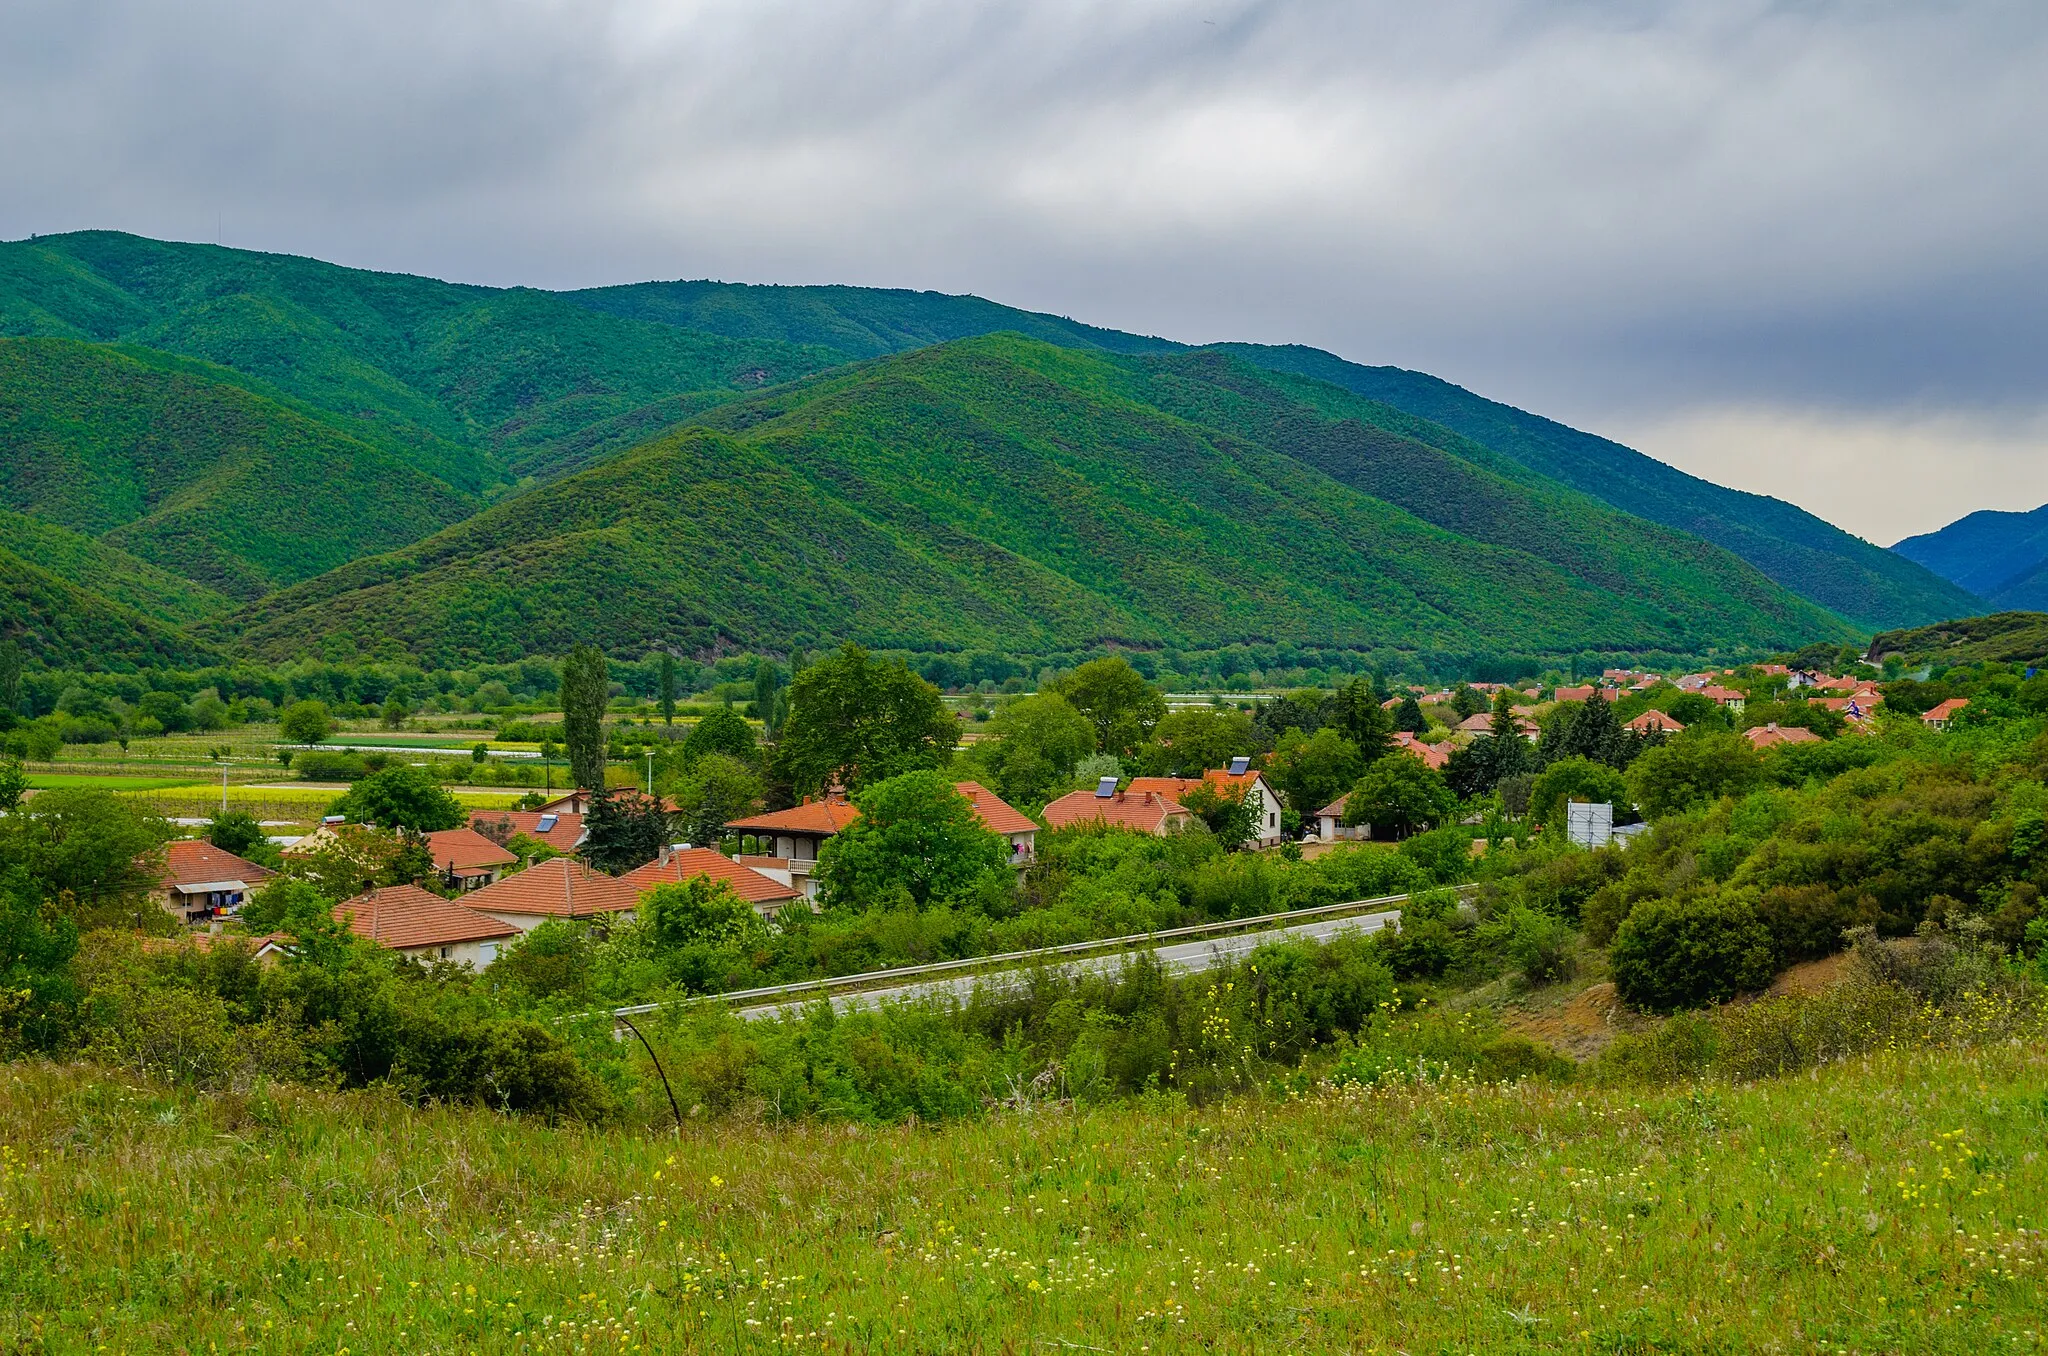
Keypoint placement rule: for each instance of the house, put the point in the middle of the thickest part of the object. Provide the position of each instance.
(423, 926)
(1725, 697)
(559, 829)
(794, 836)
(466, 859)
(561, 887)
(1479, 723)
(1138, 811)
(1575, 694)
(1330, 825)
(1861, 704)
(999, 817)
(1237, 779)
(761, 889)
(1693, 682)
(1767, 736)
(201, 882)
(1654, 722)
(1940, 716)
(578, 803)
(1432, 755)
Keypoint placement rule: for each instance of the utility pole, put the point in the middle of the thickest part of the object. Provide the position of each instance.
(650, 772)
(223, 786)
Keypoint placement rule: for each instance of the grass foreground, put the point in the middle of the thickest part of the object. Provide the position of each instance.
(1889, 1203)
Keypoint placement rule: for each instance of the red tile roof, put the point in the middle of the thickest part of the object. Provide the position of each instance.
(1721, 696)
(1946, 710)
(1764, 736)
(560, 887)
(564, 837)
(1480, 722)
(1335, 809)
(996, 814)
(1142, 811)
(404, 917)
(1651, 721)
(1575, 694)
(466, 850)
(746, 882)
(819, 817)
(1173, 788)
(194, 861)
(1432, 755)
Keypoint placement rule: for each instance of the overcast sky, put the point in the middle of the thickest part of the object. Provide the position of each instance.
(1795, 247)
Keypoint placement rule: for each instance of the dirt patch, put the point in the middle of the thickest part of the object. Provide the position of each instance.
(1581, 1026)
(1811, 976)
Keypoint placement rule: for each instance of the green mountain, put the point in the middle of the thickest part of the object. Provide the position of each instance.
(63, 625)
(198, 477)
(2004, 637)
(471, 384)
(1009, 493)
(108, 571)
(1800, 551)
(1998, 556)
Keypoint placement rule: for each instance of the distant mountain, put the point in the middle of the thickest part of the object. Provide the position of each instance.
(1989, 553)
(198, 477)
(1011, 494)
(1811, 557)
(469, 384)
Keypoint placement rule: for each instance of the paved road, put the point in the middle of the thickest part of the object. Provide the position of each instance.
(1186, 957)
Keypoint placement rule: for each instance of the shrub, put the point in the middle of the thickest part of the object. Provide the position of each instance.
(305, 722)
(1681, 953)
(323, 765)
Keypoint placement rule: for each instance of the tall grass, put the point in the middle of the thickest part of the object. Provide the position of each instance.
(1890, 1202)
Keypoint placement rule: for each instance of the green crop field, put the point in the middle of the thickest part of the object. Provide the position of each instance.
(1893, 1203)
(50, 781)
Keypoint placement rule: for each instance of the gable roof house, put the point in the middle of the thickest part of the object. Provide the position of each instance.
(1236, 780)
(466, 859)
(201, 882)
(763, 890)
(424, 926)
(561, 887)
(1138, 811)
(794, 836)
(1939, 717)
(1432, 755)
(1768, 736)
(559, 829)
(1330, 825)
(1726, 697)
(1654, 722)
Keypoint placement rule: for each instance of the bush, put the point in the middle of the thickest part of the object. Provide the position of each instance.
(323, 765)
(1681, 953)
(305, 722)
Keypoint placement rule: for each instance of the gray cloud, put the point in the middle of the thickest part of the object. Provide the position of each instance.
(1608, 212)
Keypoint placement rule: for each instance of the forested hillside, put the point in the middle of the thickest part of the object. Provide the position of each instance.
(226, 489)
(1998, 556)
(1003, 491)
(65, 626)
(108, 571)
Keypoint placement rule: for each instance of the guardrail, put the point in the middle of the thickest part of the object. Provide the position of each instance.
(872, 979)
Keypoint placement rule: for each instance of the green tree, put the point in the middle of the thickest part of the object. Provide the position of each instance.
(13, 782)
(1189, 742)
(37, 993)
(1230, 815)
(854, 721)
(1359, 717)
(1408, 716)
(1402, 794)
(1587, 730)
(1038, 742)
(917, 837)
(716, 790)
(305, 722)
(699, 911)
(586, 690)
(1692, 770)
(1574, 779)
(624, 829)
(1680, 953)
(396, 712)
(1466, 701)
(668, 688)
(401, 797)
(235, 831)
(723, 732)
(1117, 701)
(479, 753)
(91, 852)
(1313, 770)
(767, 683)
